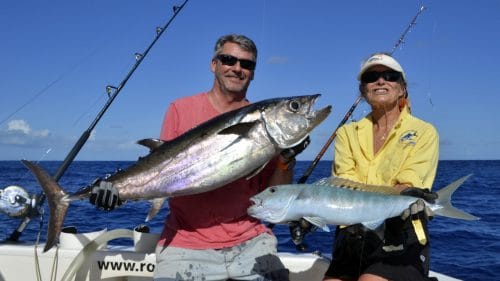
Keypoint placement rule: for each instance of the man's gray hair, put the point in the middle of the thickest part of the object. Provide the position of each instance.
(244, 42)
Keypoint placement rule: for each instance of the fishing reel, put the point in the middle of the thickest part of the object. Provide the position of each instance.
(16, 202)
(298, 230)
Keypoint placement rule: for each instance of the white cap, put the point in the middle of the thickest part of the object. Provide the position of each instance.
(381, 59)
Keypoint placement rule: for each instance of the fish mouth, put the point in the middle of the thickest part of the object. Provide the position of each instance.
(313, 118)
(319, 115)
(263, 208)
(256, 209)
(255, 203)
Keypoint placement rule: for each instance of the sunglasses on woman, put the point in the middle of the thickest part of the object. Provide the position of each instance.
(389, 76)
(230, 60)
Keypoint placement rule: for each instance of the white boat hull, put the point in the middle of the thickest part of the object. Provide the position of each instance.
(119, 263)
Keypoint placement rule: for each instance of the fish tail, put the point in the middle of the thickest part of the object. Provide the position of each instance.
(445, 208)
(57, 200)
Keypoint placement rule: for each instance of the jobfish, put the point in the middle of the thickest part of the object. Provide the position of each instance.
(230, 146)
(336, 201)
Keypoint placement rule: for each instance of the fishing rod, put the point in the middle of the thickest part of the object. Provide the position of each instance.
(311, 167)
(400, 41)
(112, 93)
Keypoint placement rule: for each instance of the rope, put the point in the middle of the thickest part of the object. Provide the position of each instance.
(88, 251)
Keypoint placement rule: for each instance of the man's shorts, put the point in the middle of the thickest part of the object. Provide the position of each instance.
(254, 259)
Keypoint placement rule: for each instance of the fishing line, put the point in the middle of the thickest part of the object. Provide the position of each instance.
(48, 86)
(35, 248)
(430, 71)
(93, 105)
(263, 25)
(38, 161)
(109, 90)
(112, 92)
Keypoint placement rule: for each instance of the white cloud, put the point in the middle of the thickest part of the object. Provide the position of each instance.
(19, 132)
(42, 133)
(18, 126)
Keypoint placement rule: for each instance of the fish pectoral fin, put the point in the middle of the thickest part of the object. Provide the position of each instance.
(319, 222)
(156, 205)
(373, 224)
(241, 129)
(256, 171)
(305, 194)
(152, 144)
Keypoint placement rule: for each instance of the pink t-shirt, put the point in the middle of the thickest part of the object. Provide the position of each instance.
(214, 219)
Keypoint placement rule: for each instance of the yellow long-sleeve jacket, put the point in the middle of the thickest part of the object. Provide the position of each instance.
(408, 156)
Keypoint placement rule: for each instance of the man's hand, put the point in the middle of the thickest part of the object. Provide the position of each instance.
(105, 196)
(291, 152)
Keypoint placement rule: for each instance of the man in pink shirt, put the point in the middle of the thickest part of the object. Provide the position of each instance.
(210, 236)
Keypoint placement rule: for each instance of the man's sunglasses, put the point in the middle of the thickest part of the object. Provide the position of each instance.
(389, 76)
(230, 60)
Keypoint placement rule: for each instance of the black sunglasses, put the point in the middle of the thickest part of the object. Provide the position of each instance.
(372, 76)
(230, 60)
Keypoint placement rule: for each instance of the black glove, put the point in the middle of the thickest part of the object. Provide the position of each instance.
(291, 152)
(298, 230)
(105, 196)
(417, 210)
(425, 194)
(407, 235)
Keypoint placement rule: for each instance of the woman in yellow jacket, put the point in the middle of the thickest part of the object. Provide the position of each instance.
(388, 147)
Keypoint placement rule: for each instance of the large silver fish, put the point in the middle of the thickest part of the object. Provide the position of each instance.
(342, 202)
(233, 145)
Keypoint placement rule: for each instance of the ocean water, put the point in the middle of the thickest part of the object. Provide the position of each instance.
(468, 250)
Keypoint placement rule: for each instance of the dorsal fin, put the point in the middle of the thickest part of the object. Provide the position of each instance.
(350, 184)
(152, 144)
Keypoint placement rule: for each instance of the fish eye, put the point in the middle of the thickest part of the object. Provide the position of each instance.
(294, 106)
(272, 189)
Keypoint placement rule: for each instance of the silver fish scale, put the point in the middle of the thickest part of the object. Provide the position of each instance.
(230, 146)
(336, 205)
(346, 207)
(202, 166)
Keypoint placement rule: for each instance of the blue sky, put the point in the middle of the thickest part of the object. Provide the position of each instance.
(58, 56)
